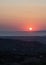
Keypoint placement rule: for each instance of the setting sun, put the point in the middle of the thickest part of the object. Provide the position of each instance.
(30, 29)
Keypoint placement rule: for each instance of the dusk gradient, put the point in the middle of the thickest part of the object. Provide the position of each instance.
(20, 15)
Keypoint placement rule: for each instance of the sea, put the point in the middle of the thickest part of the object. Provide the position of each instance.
(22, 33)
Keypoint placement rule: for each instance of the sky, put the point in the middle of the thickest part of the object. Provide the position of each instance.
(20, 15)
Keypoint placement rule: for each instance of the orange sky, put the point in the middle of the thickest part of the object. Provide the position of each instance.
(22, 14)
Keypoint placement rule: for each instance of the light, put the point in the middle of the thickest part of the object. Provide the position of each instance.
(30, 29)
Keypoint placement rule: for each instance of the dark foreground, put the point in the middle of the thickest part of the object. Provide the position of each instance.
(20, 52)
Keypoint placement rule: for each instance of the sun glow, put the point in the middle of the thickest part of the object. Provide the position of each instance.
(30, 29)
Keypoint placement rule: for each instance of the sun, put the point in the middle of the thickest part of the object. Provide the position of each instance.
(30, 29)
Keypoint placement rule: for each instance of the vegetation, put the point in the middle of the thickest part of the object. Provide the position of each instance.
(18, 52)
